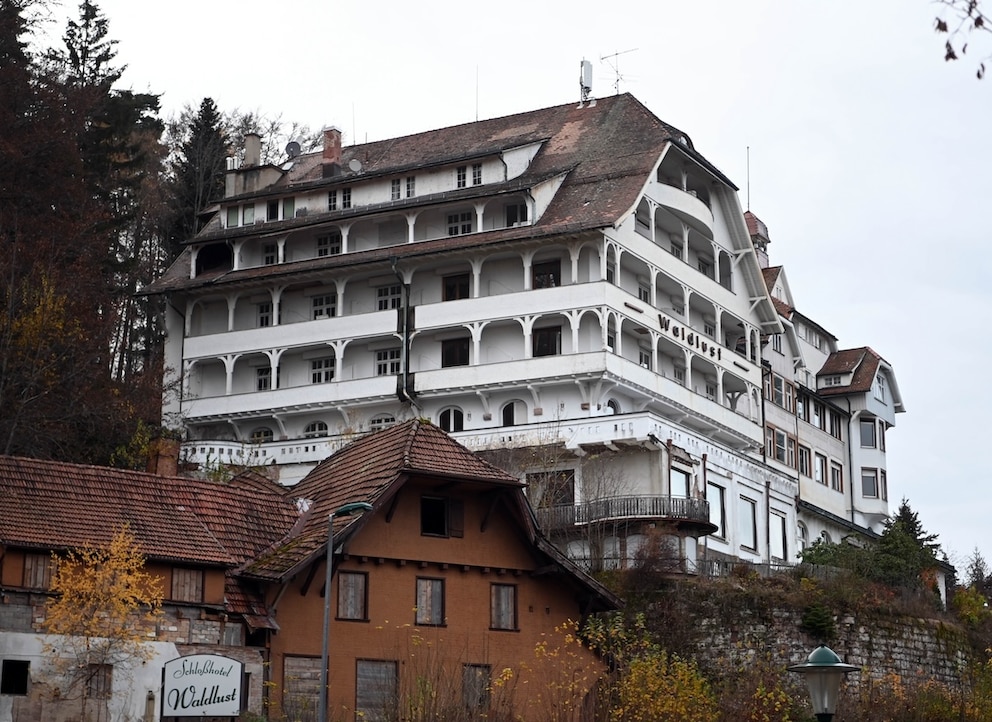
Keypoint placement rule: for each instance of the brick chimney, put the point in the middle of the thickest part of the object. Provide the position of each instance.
(163, 457)
(332, 152)
(759, 237)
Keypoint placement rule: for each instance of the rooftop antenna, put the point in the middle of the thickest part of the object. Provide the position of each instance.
(748, 172)
(585, 80)
(615, 65)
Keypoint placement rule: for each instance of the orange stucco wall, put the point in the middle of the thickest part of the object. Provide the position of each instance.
(394, 554)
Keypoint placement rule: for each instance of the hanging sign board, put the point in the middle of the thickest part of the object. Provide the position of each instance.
(202, 685)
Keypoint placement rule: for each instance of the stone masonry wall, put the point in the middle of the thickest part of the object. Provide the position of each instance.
(908, 646)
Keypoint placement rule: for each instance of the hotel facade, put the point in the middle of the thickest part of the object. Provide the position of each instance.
(573, 292)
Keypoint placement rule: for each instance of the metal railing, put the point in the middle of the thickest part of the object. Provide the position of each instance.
(619, 508)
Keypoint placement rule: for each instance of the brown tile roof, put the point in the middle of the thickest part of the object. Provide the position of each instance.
(604, 151)
(755, 226)
(370, 470)
(54, 505)
(863, 362)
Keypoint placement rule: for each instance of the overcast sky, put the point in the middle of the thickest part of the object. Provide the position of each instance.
(867, 151)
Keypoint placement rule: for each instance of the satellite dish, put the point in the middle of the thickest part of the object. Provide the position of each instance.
(292, 149)
(355, 165)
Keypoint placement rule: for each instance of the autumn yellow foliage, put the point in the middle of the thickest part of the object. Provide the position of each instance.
(103, 604)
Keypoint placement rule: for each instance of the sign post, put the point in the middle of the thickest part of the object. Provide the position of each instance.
(202, 685)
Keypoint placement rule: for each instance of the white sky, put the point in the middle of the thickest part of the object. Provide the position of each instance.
(867, 151)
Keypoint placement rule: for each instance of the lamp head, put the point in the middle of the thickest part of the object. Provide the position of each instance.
(823, 671)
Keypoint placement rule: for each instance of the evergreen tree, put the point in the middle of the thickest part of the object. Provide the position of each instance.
(906, 553)
(197, 169)
(65, 246)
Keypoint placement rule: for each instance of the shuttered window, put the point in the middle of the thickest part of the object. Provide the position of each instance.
(353, 595)
(37, 571)
(375, 690)
(503, 608)
(187, 585)
(430, 601)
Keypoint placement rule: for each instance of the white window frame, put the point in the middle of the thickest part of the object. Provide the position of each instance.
(322, 370)
(387, 361)
(324, 306)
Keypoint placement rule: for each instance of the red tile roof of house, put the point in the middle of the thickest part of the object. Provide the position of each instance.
(53, 505)
(863, 362)
(370, 469)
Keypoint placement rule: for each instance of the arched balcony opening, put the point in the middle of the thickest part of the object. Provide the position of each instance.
(513, 413)
(451, 419)
(702, 317)
(670, 298)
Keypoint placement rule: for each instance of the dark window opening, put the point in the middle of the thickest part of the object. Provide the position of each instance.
(547, 274)
(441, 516)
(454, 352)
(456, 287)
(14, 675)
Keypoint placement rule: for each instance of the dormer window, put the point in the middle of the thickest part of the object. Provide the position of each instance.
(477, 174)
(395, 189)
(834, 380)
(411, 186)
(461, 175)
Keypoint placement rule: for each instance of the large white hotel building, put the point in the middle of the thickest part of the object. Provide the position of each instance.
(574, 291)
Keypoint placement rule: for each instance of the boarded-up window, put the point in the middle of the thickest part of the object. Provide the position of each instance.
(475, 688)
(99, 681)
(430, 601)
(375, 690)
(503, 610)
(301, 687)
(187, 585)
(37, 571)
(353, 595)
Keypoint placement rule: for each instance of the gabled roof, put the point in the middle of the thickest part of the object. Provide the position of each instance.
(50, 505)
(865, 364)
(373, 469)
(370, 469)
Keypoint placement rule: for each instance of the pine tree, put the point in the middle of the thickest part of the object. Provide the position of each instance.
(906, 553)
(198, 169)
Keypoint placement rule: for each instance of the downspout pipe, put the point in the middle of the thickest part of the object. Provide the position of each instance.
(404, 391)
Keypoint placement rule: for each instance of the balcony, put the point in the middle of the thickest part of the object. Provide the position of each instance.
(691, 515)
(685, 206)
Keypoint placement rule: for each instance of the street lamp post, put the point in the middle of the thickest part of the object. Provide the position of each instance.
(346, 510)
(823, 671)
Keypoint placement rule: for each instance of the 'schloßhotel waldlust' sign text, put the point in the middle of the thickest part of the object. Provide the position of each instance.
(202, 685)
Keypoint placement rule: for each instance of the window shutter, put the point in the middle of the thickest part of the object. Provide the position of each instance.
(456, 518)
